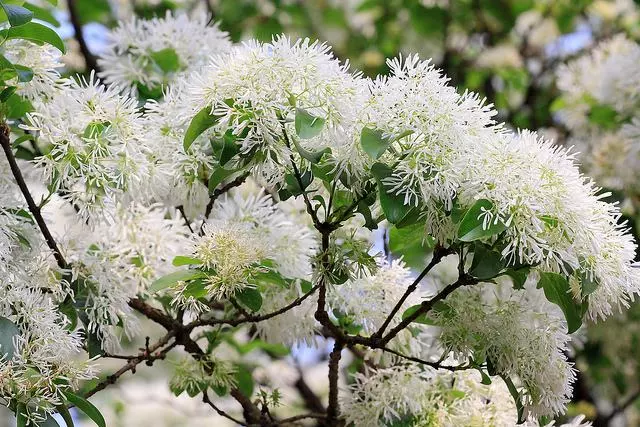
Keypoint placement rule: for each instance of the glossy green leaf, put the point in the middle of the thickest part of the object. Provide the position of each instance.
(420, 319)
(412, 244)
(181, 260)
(21, 417)
(313, 156)
(392, 204)
(200, 122)
(373, 142)
(17, 15)
(87, 407)
(8, 330)
(65, 414)
(487, 263)
(218, 176)
(471, 226)
(251, 298)
(34, 32)
(173, 278)
(42, 14)
(166, 59)
(307, 125)
(556, 290)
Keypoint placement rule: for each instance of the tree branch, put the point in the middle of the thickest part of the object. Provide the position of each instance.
(33, 208)
(333, 408)
(146, 355)
(219, 192)
(438, 253)
(89, 58)
(205, 399)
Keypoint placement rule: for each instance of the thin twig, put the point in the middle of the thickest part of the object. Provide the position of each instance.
(438, 253)
(184, 216)
(219, 192)
(426, 362)
(147, 355)
(252, 318)
(89, 58)
(205, 399)
(33, 207)
(333, 408)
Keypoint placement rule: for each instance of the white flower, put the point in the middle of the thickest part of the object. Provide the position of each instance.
(44, 62)
(91, 134)
(518, 333)
(257, 87)
(145, 56)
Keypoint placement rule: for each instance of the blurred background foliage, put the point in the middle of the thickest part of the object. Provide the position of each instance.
(509, 51)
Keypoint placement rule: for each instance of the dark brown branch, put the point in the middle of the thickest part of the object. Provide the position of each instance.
(435, 365)
(219, 192)
(33, 207)
(252, 318)
(426, 306)
(205, 399)
(333, 408)
(438, 253)
(184, 216)
(147, 355)
(89, 58)
(311, 400)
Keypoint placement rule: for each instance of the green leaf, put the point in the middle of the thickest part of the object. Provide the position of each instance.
(313, 156)
(517, 398)
(556, 290)
(307, 125)
(69, 310)
(173, 278)
(42, 14)
(373, 142)
(518, 276)
(604, 116)
(392, 204)
(217, 176)
(588, 283)
(21, 417)
(200, 122)
(34, 32)
(8, 330)
(66, 416)
(244, 380)
(17, 15)
(181, 260)
(471, 226)
(167, 60)
(251, 298)
(487, 263)
(87, 407)
(412, 244)
(420, 319)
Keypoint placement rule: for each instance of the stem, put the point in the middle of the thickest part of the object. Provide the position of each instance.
(334, 366)
(146, 355)
(438, 254)
(33, 207)
(426, 306)
(89, 59)
(205, 399)
(219, 192)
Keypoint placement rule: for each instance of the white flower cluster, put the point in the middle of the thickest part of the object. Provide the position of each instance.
(599, 105)
(40, 350)
(256, 88)
(244, 230)
(118, 259)
(91, 137)
(44, 62)
(517, 335)
(409, 394)
(146, 56)
(455, 156)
